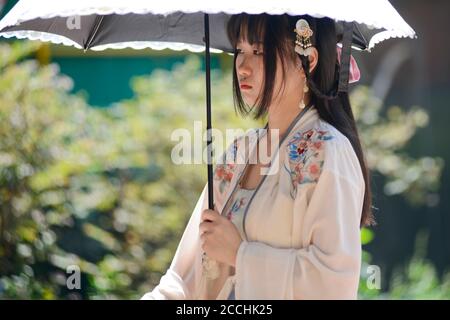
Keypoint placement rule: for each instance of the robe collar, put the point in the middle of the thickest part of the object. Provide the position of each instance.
(302, 123)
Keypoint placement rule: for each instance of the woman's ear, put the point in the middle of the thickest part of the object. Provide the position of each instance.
(313, 58)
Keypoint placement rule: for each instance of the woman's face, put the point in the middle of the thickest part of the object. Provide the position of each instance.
(250, 73)
(250, 70)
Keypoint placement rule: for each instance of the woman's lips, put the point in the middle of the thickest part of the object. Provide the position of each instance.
(245, 87)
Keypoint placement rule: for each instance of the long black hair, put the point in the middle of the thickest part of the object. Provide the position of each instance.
(276, 32)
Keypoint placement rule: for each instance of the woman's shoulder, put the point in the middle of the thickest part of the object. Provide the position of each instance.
(339, 153)
(321, 147)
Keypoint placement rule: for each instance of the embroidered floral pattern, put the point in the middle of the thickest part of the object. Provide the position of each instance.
(223, 175)
(224, 171)
(305, 152)
(237, 205)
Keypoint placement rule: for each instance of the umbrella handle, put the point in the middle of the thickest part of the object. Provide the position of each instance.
(210, 266)
(208, 114)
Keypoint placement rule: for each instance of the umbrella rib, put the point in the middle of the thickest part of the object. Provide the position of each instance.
(98, 22)
(366, 44)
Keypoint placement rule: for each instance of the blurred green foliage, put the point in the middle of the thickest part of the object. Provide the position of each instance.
(97, 187)
(417, 279)
(94, 187)
(385, 134)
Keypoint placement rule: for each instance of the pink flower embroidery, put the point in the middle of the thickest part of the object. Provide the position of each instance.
(224, 171)
(223, 175)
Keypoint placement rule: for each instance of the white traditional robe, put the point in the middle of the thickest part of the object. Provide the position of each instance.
(302, 228)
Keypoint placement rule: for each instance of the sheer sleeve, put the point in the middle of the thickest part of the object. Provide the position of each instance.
(179, 281)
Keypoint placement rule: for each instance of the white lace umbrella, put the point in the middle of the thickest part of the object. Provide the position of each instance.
(195, 25)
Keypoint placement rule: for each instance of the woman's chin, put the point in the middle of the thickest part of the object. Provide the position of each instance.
(248, 100)
(250, 104)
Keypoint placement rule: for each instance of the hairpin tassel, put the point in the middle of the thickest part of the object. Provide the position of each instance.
(303, 44)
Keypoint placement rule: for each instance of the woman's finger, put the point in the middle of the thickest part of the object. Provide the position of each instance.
(204, 236)
(205, 226)
(210, 215)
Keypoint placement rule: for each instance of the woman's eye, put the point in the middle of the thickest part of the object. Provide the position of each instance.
(256, 52)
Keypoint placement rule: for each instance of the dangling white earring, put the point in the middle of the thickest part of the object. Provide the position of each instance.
(305, 90)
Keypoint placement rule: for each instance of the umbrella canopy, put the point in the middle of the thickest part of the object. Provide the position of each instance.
(177, 25)
(196, 25)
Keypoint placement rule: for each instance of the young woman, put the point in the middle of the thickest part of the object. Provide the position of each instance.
(288, 228)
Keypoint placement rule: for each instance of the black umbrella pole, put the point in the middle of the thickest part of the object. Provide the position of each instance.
(208, 115)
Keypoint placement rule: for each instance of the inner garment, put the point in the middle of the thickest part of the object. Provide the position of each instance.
(235, 213)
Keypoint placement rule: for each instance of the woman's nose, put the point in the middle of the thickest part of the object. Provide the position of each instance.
(243, 68)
